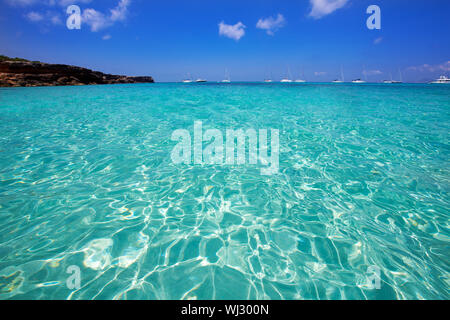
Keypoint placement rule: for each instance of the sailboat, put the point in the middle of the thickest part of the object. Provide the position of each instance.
(288, 79)
(394, 81)
(341, 80)
(188, 79)
(401, 77)
(359, 80)
(389, 81)
(227, 77)
(269, 80)
(303, 77)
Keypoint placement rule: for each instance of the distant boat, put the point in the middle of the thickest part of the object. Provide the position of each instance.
(389, 81)
(200, 80)
(227, 77)
(360, 80)
(364, 74)
(269, 79)
(302, 78)
(341, 80)
(288, 78)
(392, 81)
(188, 79)
(441, 80)
(401, 77)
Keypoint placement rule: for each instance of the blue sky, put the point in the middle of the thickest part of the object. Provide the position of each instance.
(251, 38)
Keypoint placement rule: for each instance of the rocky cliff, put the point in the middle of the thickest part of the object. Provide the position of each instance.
(30, 74)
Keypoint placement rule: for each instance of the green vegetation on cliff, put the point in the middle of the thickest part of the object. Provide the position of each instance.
(6, 58)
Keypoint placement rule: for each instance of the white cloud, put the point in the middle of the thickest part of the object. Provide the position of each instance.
(48, 17)
(55, 19)
(321, 8)
(320, 73)
(63, 3)
(34, 16)
(106, 37)
(372, 72)
(445, 66)
(21, 3)
(66, 3)
(271, 25)
(95, 19)
(119, 13)
(378, 40)
(98, 20)
(232, 31)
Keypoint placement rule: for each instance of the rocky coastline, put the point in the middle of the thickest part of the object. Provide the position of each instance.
(24, 73)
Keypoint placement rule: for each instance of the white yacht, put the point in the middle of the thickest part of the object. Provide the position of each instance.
(301, 80)
(341, 80)
(401, 77)
(365, 77)
(288, 78)
(200, 80)
(188, 79)
(392, 81)
(389, 81)
(269, 78)
(227, 77)
(442, 79)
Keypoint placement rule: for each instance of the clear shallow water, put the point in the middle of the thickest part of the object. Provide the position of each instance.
(86, 179)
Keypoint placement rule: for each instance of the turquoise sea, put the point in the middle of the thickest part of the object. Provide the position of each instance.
(87, 182)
